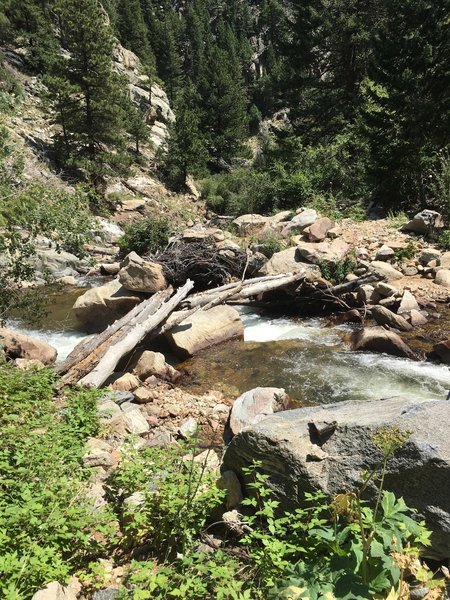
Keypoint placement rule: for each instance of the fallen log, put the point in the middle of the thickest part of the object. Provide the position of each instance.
(228, 286)
(86, 347)
(147, 322)
(245, 289)
(350, 286)
(92, 350)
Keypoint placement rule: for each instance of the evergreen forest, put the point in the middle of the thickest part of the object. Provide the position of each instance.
(283, 102)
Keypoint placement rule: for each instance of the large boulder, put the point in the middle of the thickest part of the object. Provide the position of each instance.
(139, 275)
(300, 222)
(287, 261)
(248, 224)
(425, 222)
(330, 252)
(378, 339)
(329, 447)
(99, 307)
(384, 316)
(255, 405)
(56, 263)
(204, 329)
(154, 363)
(319, 229)
(443, 278)
(385, 270)
(442, 349)
(408, 303)
(19, 345)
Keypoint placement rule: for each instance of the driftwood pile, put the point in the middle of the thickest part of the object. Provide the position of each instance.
(94, 360)
(203, 262)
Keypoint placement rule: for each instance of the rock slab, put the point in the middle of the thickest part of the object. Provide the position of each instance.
(18, 345)
(99, 307)
(139, 275)
(204, 329)
(255, 405)
(328, 447)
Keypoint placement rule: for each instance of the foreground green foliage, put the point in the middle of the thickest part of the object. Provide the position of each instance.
(161, 504)
(146, 235)
(48, 528)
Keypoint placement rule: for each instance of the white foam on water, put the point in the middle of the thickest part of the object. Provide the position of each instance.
(338, 374)
(266, 329)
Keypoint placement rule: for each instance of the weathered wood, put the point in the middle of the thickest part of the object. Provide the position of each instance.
(84, 348)
(350, 286)
(185, 314)
(100, 343)
(148, 322)
(245, 289)
(218, 290)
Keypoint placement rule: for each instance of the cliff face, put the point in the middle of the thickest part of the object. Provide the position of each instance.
(30, 127)
(149, 96)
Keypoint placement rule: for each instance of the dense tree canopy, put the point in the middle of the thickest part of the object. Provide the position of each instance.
(364, 85)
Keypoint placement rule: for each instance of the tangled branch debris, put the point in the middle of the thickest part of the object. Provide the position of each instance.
(203, 262)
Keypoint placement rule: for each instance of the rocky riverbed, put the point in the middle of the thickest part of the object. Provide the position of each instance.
(385, 340)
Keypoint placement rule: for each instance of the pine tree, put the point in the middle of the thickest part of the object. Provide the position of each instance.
(133, 31)
(328, 59)
(185, 153)
(87, 93)
(224, 119)
(407, 111)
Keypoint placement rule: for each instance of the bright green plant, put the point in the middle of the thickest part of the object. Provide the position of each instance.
(355, 212)
(191, 577)
(444, 239)
(397, 219)
(408, 252)
(176, 498)
(343, 549)
(47, 523)
(146, 235)
(336, 271)
(63, 217)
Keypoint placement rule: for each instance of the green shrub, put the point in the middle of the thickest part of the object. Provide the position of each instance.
(146, 235)
(406, 253)
(270, 243)
(345, 548)
(11, 92)
(178, 497)
(444, 240)
(62, 216)
(47, 523)
(397, 219)
(355, 212)
(337, 271)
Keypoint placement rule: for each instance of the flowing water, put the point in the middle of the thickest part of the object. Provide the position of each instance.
(311, 361)
(58, 326)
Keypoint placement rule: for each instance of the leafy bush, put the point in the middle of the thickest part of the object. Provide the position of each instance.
(444, 240)
(406, 253)
(340, 549)
(62, 216)
(269, 243)
(47, 523)
(177, 498)
(146, 235)
(10, 90)
(337, 271)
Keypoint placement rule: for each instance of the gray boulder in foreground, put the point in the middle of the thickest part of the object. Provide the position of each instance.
(328, 447)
